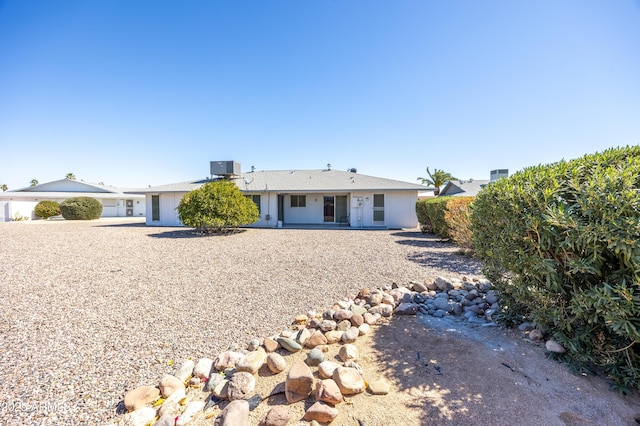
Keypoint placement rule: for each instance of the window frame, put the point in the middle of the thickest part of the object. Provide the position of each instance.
(155, 208)
(300, 201)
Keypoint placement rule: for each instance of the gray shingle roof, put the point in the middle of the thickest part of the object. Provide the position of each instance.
(66, 188)
(298, 181)
(463, 188)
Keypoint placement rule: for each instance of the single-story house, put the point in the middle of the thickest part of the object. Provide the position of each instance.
(463, 188)
(116, 202)
(303, 197)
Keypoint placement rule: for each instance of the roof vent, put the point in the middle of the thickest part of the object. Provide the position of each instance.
(225, 169)
(352, 170)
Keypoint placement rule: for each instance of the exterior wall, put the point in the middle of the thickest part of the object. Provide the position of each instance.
(168, 209)
(139, 207)
(10, 208)
(25, 207)
(5, 215)
(268, 210)
(358, 205)
(313, 213)
(399, 209)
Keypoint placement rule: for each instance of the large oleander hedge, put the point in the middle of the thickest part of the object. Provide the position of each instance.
(448, 217)
(561, 243)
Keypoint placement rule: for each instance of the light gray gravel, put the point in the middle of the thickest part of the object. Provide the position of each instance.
(93, 309)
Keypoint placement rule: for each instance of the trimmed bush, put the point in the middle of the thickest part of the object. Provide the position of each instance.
(46, 209)
(457, 216)
(217, 205)
(560, 243)
(430, 214)
(81, 208)
(423, 218)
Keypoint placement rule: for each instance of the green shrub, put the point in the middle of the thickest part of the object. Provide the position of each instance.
(560, 243)
(46, 209)
(430, 214)
(423, 219)
(457, 216)
(81, 208)
(217, 205)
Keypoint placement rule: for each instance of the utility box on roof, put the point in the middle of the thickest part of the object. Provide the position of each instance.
(498, 174)
(225, 168)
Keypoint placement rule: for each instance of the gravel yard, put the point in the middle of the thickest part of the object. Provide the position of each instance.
(93, 309)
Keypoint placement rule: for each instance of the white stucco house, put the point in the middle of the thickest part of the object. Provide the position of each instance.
(303, 197)
(116, 202)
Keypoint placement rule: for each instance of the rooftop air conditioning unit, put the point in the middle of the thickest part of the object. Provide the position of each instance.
(225, 168)
(498, 174)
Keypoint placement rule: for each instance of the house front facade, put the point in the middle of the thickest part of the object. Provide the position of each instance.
(305, 197)
(116, 202)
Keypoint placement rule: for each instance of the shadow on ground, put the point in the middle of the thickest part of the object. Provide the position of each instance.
(453, 373)
(124, 225)
(432, 251)
(190, 233)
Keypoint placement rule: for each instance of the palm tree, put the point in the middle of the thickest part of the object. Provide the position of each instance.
(34, 182)
(70, 176)
(4, 187)
(437, 179)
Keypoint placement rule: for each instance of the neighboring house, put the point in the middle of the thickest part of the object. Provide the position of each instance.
(463, 188)
(471, 187)
(116, 202)
(304, 197)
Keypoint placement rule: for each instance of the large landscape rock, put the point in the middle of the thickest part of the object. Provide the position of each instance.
(328, 391)
(185, 371)
(348, 380)
(299, 383)
(326, 369)
(252, 362)
(317, 338)
(139, 397)
(203, 368)
(241, 385)
(276, 363)
(348, 352)
(321, 412)
(236, 413)
(170, 384)
(277, 416)
(141, 417)
(227, 359)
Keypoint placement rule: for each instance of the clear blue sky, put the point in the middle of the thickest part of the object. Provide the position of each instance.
(135, 93)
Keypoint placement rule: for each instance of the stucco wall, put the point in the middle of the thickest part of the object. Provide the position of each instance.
(110, 207)
(168, 209)
(399, 209)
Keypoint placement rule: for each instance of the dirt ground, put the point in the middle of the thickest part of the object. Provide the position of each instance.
(451, 373)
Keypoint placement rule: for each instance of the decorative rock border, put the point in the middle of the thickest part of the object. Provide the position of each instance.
(195, 388)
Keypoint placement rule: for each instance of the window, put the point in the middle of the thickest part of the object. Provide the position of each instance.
(155, 207)
(256, 199)
(378, 207)
(298, 201)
